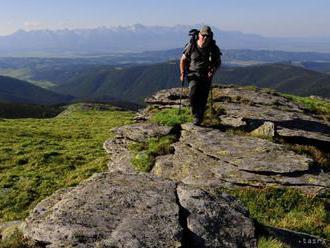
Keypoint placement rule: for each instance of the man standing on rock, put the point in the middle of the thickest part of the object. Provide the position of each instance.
(199, 62)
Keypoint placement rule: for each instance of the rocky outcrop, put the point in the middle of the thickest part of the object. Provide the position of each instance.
(205, 156)
(176, 205)
(249, 109)
(213, 157)
(209, 157)
(138, 210)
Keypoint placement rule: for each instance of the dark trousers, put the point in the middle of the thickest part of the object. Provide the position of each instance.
(198, 93)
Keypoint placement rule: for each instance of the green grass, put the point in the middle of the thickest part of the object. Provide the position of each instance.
(144, 154)
(313, 104)
(171, 117)
(270, 243)
(16, 240)
(39, 156)
(287, 208)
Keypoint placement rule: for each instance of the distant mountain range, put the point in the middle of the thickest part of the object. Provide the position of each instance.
(139, 38)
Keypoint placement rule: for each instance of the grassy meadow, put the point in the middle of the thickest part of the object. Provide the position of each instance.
(39, 156)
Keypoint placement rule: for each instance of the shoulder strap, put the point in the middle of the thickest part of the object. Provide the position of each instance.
(194, 36)
(215, 54)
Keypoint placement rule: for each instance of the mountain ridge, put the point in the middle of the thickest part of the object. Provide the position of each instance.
(137, 82)
(142, 38)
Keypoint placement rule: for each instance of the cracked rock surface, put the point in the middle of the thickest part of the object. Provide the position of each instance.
(210, 157)
(205, 156)
(138, 210)
(215, 220)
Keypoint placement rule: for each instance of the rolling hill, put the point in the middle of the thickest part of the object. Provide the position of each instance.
(23, 110)
(281, 77)
(318, 66)
(17, 91)
(50, 72)
(129, 84)
(135, 83)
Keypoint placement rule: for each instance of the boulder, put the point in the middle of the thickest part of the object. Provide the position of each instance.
(215, 220)
(267, 129)
(138, 210)
(109, 210)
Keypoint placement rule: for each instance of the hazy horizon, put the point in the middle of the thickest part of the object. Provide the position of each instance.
(196, 25)
(295, 18)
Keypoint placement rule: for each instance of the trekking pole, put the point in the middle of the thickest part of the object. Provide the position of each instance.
(181, 93)
(212, 110)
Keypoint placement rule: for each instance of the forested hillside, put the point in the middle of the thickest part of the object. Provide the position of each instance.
(135, 83)
(18, 91)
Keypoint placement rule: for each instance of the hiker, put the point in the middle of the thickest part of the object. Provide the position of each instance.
(199, 62)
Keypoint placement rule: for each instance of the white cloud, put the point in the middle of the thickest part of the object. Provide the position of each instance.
(8, 28)
(30, 25)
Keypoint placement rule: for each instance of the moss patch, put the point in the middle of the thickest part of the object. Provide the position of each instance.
(14, 240)
(144, 154)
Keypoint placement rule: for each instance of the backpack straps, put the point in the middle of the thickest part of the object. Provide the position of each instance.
(193, 40)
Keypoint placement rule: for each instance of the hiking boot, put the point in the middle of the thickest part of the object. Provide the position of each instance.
(197, 121)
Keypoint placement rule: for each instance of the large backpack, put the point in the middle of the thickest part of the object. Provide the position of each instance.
(193, 45)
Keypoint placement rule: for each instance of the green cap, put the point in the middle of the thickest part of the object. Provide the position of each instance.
(205, 30)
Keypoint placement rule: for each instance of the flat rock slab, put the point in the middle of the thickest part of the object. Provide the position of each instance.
(138, 210)
(141, 132)
(205, 156)
(258, 106)
(241, 107)
(120, 156)
(169, 98)
(109, 210)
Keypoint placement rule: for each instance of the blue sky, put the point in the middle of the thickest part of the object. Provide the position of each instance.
(281, 18)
